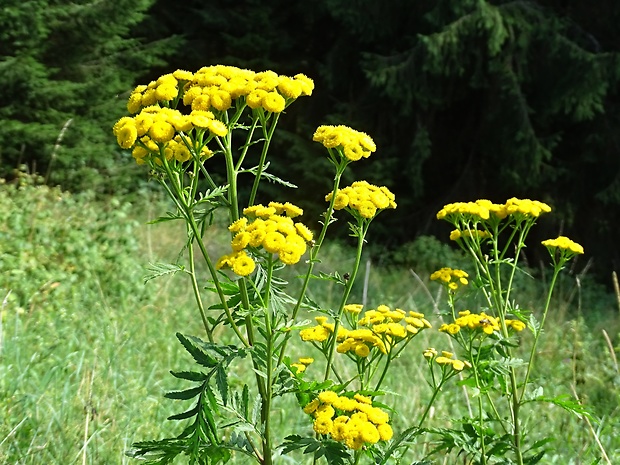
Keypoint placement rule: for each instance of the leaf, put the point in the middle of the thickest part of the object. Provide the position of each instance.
(189, 375)
(202, 358)
(221, 380)
(186, 394)
(171, 217)
(270, 177)
(185, 415)
(161, 269)
(567, 403)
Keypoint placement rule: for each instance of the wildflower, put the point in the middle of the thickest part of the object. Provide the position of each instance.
(220, 100)
(328, 397)
(243, 265)
(314, 334)
(299, 366)
(430, 353)
(289, 87)
(353, 308)
(456, 234)
(451, 278)
(312, 406)
(526, 207)
(352, 421)
(273, 102)
(385, 432)
(161, 131)
(218, 128)
(238, 225)
(273, 242)
(134, 103)
(166, 92)
(363, 199)
(455, 364)
(183, 75)
(127, 135)
(517, 325)
(563, 243)
(323, 424)
(307, 84)
(352, 144)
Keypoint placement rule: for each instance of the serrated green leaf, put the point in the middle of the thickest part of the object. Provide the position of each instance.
(199, 355)
(184, 395)
(161, 269)
(185, 415)
(221, 379)
(189, 375)
(245, 401)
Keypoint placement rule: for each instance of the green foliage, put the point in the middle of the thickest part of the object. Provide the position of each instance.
(465, 99)
(427, 254)
(61, 67)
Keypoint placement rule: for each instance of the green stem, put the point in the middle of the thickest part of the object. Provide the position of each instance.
(264, 386)
(266, 400)
(530, 364)
(314, 252)
(195, 288)
(362, 229)
(261, 164)
(430, 404)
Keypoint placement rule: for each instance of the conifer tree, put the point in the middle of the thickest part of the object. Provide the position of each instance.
(62, 67)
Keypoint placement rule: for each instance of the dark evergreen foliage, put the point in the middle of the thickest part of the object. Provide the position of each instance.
(469, 99)
(65, 68)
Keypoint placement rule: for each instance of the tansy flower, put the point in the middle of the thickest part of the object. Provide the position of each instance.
(127, 135)
(273, 102)
(363, 199)
(451, 278)
(351, 144)
(563, 243)
(352, 421)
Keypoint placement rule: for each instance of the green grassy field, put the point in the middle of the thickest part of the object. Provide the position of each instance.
(86, 347)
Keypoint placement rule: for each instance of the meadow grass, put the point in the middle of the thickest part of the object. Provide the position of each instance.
(86, 346)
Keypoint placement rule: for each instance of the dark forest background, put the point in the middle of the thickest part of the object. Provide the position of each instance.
(465, 99)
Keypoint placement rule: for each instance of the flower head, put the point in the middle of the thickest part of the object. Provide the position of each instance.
(451, 278)
(351, 144)
(363, 199)
(563, 243)
(352, 420)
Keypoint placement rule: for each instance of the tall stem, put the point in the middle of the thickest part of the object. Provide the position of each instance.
(530, 364)
(314, 252)
(362, 229)
(268, 133)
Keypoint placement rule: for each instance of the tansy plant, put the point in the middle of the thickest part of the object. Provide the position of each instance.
(500, 383)
(184, 124)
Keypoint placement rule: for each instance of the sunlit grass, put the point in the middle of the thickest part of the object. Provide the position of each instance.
(84, 363)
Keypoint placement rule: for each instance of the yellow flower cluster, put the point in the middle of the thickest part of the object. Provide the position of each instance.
(157, 129)
(455, 235)
(215, 87)
(302, 364)
(364, 198)
(272, 228)
(564, 243)
(446, 359)
(240, 262)
(451, 278)
(475, 321)
(156, 125)
(483, 209)
(384, 329)
(352, 421)
(352, 144)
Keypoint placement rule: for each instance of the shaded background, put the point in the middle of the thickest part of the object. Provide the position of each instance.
(465, 100)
